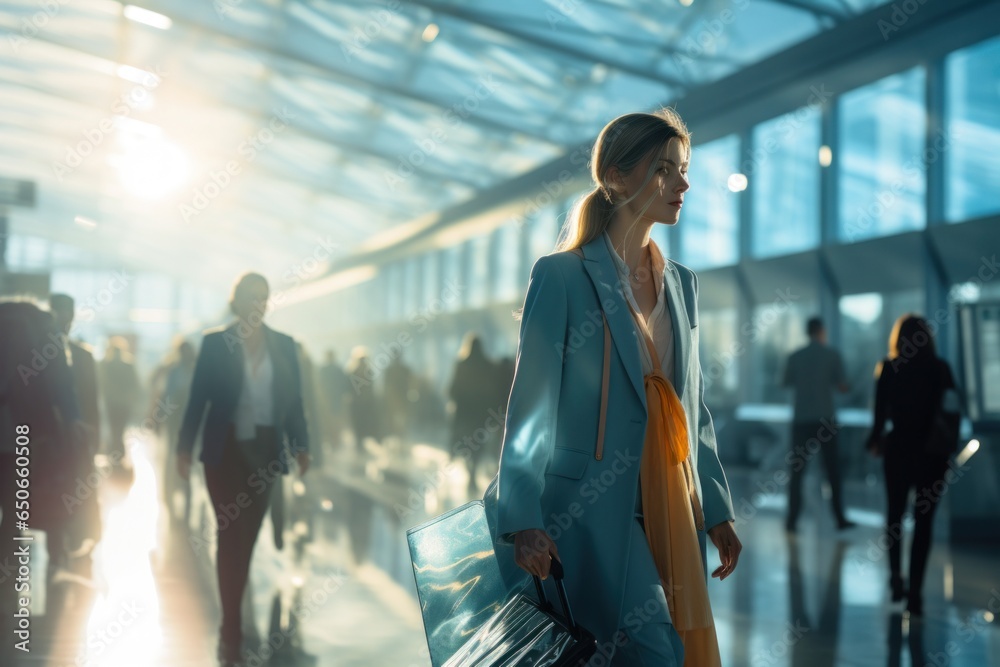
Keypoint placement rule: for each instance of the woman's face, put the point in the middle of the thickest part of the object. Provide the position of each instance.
(250, 302)
(665, 191)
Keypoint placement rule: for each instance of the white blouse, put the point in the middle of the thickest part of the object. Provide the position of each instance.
(256, 405)
(660, 323)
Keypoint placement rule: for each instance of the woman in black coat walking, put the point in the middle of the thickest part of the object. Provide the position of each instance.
(910, 385)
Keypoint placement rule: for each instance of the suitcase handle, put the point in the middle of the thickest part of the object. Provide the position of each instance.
(556, 570)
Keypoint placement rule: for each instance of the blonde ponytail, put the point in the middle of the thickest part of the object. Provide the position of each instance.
(623, 144)
(589, 217)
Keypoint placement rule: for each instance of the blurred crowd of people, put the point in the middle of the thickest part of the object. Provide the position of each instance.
(79, 411)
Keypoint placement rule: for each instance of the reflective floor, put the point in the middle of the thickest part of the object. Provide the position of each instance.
(340, 590)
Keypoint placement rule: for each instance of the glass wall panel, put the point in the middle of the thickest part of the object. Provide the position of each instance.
(720, 357)
(507, 241)
(432, 288)
(881, 162)
(783, 171)
(452, 274)
(479, 271)
(390, 283)
(709, 223)
(776, 330)
(196, 305)
(972, 116)
(543, 228)
(410, 286)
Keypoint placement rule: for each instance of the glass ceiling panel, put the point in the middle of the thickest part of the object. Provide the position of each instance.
(500, 89)
(367, 40)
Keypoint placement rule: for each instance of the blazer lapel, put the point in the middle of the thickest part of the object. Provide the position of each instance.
(278, 371)
(680, 325)
(234, 342)
(604, 275)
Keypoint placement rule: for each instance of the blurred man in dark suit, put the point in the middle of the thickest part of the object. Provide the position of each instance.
(84, 372)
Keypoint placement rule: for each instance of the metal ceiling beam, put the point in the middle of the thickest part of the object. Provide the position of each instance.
(165, 249)
(326, 70)
(525, 36)
(818, 10)
(353, 147)
(658, 46)
(847, 56)
(268, 172)
(166, 241)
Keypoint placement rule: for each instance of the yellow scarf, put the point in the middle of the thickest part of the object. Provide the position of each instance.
(672, 515)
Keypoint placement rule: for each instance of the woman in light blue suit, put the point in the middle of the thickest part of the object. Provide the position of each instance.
(569, 475)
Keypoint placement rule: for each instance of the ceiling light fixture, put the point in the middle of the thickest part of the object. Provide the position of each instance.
(825, 156)
(737, 182)
(147, 17)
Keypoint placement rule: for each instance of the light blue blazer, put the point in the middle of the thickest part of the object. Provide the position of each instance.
(549, 476)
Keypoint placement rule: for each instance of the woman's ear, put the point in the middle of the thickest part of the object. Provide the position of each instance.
(615, 180)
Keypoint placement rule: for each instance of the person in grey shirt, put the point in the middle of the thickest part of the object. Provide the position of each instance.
(813, 372)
